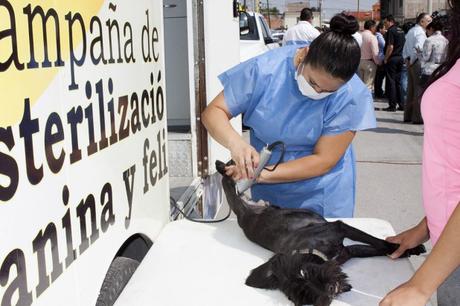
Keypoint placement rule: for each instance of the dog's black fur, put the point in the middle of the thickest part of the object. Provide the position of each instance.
(292, 234)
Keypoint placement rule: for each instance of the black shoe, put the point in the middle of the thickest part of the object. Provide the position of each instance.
(389, 109)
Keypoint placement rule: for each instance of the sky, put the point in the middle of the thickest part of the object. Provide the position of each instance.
(330, 7)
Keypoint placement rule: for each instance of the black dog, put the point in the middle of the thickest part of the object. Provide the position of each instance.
(309, 250)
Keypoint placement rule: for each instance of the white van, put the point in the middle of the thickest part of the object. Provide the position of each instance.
(255, 35)
(99, 118)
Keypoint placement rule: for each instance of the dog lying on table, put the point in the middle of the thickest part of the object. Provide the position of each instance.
(308, 249)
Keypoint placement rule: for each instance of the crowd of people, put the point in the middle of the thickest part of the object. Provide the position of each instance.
(405, 57)
(396, 61)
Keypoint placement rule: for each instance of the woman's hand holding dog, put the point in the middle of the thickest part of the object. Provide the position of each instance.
(246, 159)
(410, 238)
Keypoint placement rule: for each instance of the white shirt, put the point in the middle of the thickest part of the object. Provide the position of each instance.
(415, 39)
(434, 52)
(303, 32)
(359, 38)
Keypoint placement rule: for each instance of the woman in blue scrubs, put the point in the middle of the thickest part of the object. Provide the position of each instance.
(309, 98)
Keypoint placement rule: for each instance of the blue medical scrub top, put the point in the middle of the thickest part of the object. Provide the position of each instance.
(265, 91)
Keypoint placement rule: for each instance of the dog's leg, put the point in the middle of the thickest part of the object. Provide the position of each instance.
(382, 246)
(358, 235)
(357, 250)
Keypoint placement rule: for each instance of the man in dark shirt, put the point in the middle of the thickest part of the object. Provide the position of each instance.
(394, 44)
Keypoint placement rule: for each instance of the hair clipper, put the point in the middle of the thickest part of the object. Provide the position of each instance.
(245, 184)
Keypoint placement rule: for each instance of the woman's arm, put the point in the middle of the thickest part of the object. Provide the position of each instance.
(328, 151)
(216, 118)
(443, 260)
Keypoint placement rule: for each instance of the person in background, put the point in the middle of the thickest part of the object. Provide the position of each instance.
(359, 38)
(441, 188)
(434, 50)
(303, 32)
(380, 73)
(369, 54)
(394, 43)
(310, 98)
(404, 74)
(415, 39)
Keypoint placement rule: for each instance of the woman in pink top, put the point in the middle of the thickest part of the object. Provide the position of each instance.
(441, 187)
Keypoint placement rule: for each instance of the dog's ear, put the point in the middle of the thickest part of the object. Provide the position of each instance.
(264, 276)
(220, 167)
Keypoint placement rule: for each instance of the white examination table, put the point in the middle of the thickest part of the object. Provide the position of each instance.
(194, 264)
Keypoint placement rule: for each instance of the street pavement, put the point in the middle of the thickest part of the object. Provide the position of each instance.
(389, 171)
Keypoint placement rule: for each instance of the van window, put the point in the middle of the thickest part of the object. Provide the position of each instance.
(265, 29)
(253, 34)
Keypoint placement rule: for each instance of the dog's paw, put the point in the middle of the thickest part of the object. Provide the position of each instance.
(390, 247)
(420, 249)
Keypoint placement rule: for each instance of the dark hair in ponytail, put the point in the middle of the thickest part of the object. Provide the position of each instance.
(336, 51)
(453, 52)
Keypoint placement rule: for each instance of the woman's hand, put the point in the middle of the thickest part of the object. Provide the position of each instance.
(246, 159)
(405, 295)
(410, 238)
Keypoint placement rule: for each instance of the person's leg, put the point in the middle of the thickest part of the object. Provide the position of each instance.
(410, 95)
(404, 76)
(449, 291)
(371, 75)
(416, 112)
(362, 70)
(378, 82)
(399, 95)
(391, 68)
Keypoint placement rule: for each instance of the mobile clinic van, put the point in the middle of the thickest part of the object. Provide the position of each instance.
(84, 172)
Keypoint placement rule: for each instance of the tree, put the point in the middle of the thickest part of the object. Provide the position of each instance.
(273, 11)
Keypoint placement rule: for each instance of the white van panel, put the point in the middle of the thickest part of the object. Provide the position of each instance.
(102, 177)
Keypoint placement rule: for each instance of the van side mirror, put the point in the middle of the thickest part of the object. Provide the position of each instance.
(244, 23)
(268, 40)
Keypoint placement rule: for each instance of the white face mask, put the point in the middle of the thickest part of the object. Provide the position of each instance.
(307, 90)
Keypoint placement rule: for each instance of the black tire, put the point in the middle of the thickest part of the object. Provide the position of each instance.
(120, 271)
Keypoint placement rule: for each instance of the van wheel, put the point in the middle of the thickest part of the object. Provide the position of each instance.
(120, 271)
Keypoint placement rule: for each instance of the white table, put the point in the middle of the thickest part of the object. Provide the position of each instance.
(206, 264)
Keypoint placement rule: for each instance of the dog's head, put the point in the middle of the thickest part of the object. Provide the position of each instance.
(303, 278)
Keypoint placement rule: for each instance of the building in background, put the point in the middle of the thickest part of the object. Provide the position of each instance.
(404, 10)
(276, 21)
(362, 16)
(292, 13)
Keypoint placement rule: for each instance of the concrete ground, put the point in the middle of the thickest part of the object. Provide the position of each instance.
(389, 171)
